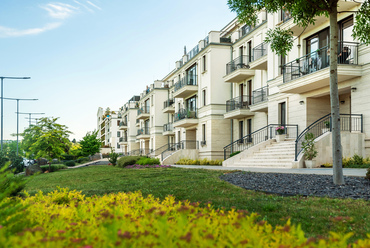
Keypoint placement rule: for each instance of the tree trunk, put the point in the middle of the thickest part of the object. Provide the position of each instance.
(334, 98)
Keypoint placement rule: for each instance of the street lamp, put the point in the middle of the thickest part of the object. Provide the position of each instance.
(2, 106)
(18, 99)
(30, 115)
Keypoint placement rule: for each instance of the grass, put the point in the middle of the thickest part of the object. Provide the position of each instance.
(317, 216)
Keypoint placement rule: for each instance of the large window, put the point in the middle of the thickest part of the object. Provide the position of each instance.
(191, 103)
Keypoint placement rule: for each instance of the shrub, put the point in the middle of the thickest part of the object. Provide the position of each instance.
(368, 174)
(105, 155)
(127, 160)
(70, 163)
(204, 161)
(234, 153)
(113, 158)
(358, 160)
(83, 160)
(54, 167)
(149, 161)
(69, 219)
(68, 157)
(15, 184)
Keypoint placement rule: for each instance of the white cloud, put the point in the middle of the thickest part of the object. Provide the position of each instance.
(11, 32)
(59, 10)
(94, 5)
(83, 5)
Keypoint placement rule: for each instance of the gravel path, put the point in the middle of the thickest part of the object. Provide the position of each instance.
(298, 184)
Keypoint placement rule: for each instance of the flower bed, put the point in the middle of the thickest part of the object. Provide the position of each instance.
(66, 218)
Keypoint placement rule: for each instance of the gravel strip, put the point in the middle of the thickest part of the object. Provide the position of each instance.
(298, 184)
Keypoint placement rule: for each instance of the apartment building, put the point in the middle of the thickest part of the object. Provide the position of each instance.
(107, 126)
(127, 125)
(230, 92)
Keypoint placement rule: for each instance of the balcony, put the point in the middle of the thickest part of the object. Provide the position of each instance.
(143, 133)
(143, 113)
(137, 124)
(185, 118)
(259, 59)
(168, 106)
(123, 140)
(186, 87)
(239, 69)
(168, 129)
(123, 125)
(238, 107)
(259, 100)
(311, 71)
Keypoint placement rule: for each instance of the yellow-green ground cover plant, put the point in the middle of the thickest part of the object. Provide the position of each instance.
(204, 161)
(66, 218)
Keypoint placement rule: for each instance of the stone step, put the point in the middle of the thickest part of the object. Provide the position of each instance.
(269, 159)
(275, 165)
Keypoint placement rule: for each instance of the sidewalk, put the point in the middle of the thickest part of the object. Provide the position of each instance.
(316, 171)
(103, 161)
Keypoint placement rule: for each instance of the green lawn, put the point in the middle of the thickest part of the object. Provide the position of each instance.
(316, 215)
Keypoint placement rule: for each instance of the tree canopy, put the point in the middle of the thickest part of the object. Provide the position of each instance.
(90, 143)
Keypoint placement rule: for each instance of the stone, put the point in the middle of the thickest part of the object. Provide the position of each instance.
(33, 169)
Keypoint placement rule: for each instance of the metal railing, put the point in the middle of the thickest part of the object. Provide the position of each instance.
(187, 80)
(173, 147)
(185, 114)
(168, 127)
(320, 59)
(244, 30)
(348, 122)
(285, 15)
(143, 131)
(123, 123)
(168, 103)
(259, 136)
(143, 110)
(238, 63)
(259, 51)
(123, 139)
(158, 151)
(260, 95)
(138, 152)
(225, 40)
(240, 102)
(193, 52)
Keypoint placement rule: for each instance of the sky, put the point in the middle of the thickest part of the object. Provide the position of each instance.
(82, 55)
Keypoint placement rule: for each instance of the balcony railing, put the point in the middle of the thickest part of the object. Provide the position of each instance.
(240, 102)
(259, 51)
(260, 95)
(185, 114)
(168, 127)
(123, 123)
(188, 80)
(347, 54)
(143, 110)
(285, 15)
(238, 63)
(245, 30)
(168, 103)
(193, 52)
(143, 131)
(123, 139)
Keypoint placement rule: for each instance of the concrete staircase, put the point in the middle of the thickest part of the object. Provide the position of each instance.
(277, 155)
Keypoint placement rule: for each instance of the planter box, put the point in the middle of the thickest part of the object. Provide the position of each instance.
(280, 137)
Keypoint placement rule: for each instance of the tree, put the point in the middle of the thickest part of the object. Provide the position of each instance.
(303, 13)
(90, 143)
(46, 139)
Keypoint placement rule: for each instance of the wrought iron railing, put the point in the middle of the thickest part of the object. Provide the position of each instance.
(168, 103)
(185, 114)
(259, 51)
(143, 110)
(225, 40)
(238, 63)
(123, 139)
(259, 136)
(285, 15)
(244, 30)
(347, 54)
(143, 131)
(348, 122)
(173, 147)
(193, 52)
(156, 152)
(168, 127)
(187, 80)
(240, 102)
(260, 95)
(123, 123)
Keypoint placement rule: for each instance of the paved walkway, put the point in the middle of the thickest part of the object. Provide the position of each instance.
(317, 171)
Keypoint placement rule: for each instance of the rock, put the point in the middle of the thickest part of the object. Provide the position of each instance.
(42, 161)
(33, 169)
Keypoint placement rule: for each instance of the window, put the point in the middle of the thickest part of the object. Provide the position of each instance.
(282, 112)
(241, 129)
(282, 62)
(118, 134)
(118, 146)
(204, 63)
(204, 97)
(118, 123)
(191, 103)
(152, 99)
(191, 75)
(204, 132)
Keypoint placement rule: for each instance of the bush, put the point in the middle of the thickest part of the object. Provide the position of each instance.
(113, 158)
(53, 167)
(83, 160)
(105, 155)
(68, 157)
(70, 163)
(368, 174)
(127, 160)
(234, 153)
(205, 161)
(15, 183)
(356, 162)
(150, 161)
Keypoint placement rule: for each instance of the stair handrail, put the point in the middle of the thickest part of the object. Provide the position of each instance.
(171, 147)
(156, 150)
(263, 134)
(319, 127)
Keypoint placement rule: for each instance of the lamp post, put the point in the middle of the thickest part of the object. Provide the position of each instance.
(18, 99)
(30, 115)
(31, 119)
(2, 106)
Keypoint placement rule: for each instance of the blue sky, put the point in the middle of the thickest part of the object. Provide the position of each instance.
(82, 54)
